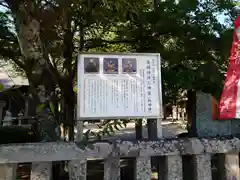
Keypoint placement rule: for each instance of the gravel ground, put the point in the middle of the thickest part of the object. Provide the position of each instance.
(169, 129)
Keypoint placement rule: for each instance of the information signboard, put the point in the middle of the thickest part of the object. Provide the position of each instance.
(117, 86)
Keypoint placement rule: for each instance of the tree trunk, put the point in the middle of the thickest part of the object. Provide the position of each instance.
(40, 77)
(41, 80)
(69, 111)
(191, 113)
(138, 129)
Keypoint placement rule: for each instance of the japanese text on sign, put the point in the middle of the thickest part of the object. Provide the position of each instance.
(119, 86)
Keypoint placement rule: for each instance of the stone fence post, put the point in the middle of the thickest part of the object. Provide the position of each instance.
(206, 126)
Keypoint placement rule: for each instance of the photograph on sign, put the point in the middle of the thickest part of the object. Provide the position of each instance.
(129, 65)
(110, 65)
(91, 65)
(119, 86)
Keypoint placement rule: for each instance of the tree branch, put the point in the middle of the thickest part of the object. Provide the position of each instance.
(68, 42)
(13, 4)
(94, 43)
(50, 16)
(3, 4)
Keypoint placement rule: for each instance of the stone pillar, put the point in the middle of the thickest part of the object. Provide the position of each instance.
(26, 107)
(202, 170)
(173, 167)
(232, 166)
(112, 169)
(205, 125)
(77, 169)
(229, 166)
(159, 128)
(174, 112)
(7, 121)
(20, 116)
(8, 171)
(178, 113)
(143, 168)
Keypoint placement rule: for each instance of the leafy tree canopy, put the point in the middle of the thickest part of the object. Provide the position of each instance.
(193, 44)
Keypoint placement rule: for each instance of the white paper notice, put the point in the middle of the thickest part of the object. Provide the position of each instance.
(119, 86)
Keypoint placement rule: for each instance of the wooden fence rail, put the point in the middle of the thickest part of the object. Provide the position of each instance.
(77, 155)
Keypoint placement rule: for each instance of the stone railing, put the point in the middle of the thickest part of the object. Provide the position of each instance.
(8, 120)
(43, 154)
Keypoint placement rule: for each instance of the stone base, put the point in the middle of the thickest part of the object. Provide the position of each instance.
(8, 171)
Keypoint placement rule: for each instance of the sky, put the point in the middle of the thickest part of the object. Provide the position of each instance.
(221, 18)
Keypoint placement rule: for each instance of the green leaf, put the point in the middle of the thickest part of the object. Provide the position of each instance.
(116, 127)
(99, 137)
(104, 131)
(111, 129)
(120, 123)
(108, 133)
(99, 126)
(40, 107)
(1, 87)
(87, 134)
(52, 107)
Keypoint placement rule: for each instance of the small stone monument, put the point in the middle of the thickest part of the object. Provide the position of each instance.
(205, 125)
(7, 121)
(20, 115)
(236, 9)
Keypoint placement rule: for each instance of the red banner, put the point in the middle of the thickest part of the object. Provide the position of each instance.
(229, 107)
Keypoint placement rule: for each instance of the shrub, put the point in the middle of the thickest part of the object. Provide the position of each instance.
(16, 134)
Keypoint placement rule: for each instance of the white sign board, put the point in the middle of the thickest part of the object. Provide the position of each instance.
(115, 86)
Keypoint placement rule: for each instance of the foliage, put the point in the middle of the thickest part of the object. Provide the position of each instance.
(1, 87)
(191, 41)
(16, 134)
(193, 44)
(66, 29)
(9, 44)
(106, 127)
